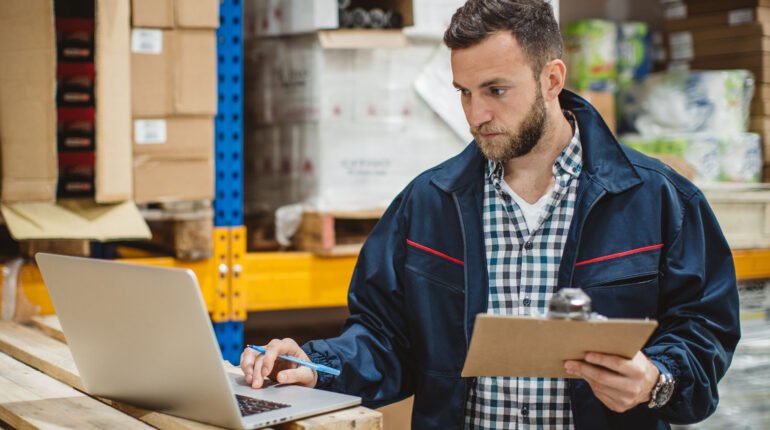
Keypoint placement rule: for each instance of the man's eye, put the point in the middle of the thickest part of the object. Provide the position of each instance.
(463, 91)
(497, 91)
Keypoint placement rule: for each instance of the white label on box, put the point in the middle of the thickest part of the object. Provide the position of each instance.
(146, 41)
(150, 131)
(682, 52)
(676, 11)
(681, 38)
(740, 16)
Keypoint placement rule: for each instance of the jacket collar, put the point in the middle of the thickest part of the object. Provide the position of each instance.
(604, 162)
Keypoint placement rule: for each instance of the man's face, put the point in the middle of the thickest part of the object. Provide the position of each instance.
(503, 102)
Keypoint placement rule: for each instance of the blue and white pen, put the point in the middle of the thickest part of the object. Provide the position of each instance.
(310, 364)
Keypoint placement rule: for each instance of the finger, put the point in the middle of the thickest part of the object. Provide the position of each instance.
(301, 376)
(615, 363)
(279, 347)
(248, 357)
(257, 377)
(595, 373)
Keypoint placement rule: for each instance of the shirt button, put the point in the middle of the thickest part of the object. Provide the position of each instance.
(528, 245)
(527, 302)
(524, 411)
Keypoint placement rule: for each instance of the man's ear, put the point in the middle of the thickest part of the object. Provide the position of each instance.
(553, 78)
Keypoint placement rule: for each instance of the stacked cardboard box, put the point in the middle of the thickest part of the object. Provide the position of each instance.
(94, 129)
(174, 98)
(716, 34)
(332, 116)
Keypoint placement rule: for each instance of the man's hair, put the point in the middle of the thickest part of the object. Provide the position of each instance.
(530, 21)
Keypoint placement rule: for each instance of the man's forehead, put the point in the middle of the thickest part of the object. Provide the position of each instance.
(497, 57)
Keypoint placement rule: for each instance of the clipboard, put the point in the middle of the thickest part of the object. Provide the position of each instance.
(537, 347)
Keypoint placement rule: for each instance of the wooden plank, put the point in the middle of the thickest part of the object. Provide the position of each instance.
(39, 351)
(54, 358)
(30, 399)
(49, 324)
(359, 418)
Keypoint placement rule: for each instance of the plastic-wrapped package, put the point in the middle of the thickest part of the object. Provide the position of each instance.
(591, 53)
(714, 157)
(634, 61)
(686, 102)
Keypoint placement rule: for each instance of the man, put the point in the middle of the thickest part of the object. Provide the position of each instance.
(544, 198)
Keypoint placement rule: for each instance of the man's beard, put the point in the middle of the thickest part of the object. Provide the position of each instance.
(508, 145)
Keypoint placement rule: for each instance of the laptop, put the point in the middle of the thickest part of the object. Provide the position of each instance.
(142, 335)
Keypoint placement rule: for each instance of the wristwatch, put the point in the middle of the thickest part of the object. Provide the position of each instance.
(662, 391)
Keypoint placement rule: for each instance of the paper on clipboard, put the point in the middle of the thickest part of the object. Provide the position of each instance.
(537, 347)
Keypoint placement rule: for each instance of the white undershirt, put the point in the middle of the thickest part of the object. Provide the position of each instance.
(533, 211)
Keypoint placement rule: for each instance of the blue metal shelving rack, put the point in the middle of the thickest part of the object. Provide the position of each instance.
(228, 201)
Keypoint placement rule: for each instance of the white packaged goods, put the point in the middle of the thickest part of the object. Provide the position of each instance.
(686, 102)
(342, 129)
(714, 157)
(285, 17)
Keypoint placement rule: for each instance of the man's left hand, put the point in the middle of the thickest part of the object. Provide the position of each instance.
(617, 382)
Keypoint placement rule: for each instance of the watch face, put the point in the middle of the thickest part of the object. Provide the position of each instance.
(665, 392)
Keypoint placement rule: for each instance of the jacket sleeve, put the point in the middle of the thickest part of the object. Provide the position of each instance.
(374, 345)
(699, 323)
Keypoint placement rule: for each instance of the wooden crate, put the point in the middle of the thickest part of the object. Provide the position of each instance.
(743, 212)
(185, 229)
(335, 233)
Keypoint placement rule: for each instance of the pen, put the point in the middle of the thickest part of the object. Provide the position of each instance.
(310, 364)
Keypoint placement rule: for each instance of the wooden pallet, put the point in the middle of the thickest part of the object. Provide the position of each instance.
(260, 230)
(185, 229)
(40, 387)
(335, 233)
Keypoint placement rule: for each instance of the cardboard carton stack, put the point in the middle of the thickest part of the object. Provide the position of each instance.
(332, 116)
(64, 77)
(716, 34)
(174, 98)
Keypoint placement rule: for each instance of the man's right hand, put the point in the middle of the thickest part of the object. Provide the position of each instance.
(257, 366)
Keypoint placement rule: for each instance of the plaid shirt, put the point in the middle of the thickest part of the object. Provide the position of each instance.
(523, 265)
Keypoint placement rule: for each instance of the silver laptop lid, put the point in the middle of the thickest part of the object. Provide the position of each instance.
(141, 335)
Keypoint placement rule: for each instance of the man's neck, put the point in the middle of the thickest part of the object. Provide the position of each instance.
(531, 175)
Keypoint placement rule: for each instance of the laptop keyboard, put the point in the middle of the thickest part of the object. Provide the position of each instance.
(252, 406)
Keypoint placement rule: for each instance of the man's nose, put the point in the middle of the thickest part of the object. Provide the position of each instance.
(477, 112)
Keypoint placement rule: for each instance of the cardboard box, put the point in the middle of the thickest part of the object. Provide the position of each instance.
(288, 17)
(175, 13)
(700, 49)
(173, 72)
(190, 136)
(28, 128)
(27, 108)
(604, 102)
(163, 179)
(701, 7)
(27, 101)
(732, 17)
(758, 63)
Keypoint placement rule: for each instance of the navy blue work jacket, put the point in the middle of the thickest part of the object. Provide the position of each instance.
(643, 243)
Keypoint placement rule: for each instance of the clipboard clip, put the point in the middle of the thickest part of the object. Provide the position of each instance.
(572, 304)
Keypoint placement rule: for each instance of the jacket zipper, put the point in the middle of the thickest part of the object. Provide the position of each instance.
(465, 270)
(466, 391)
(570, 386)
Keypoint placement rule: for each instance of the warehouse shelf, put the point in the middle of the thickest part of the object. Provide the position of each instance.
(752, 264)
(293, 280)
